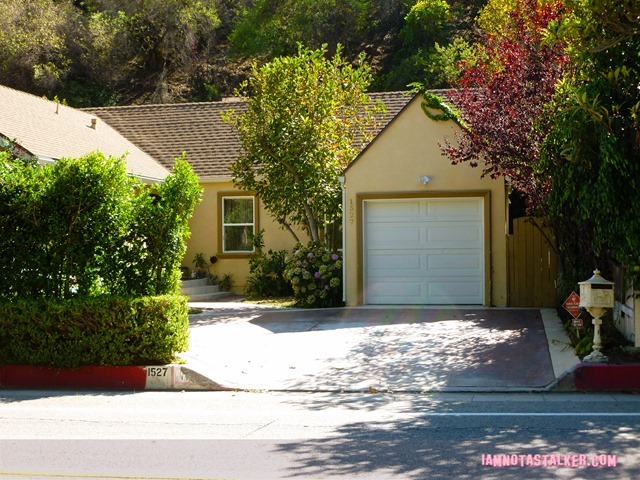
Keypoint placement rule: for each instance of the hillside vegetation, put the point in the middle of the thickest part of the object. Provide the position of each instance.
(118, 52)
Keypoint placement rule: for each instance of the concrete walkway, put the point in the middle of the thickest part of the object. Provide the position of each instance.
(244, 346)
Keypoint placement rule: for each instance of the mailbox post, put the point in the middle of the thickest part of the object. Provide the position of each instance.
(596, 295)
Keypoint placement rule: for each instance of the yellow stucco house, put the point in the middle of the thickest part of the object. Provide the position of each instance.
(419, 230)
(222, 220)
(406, 240)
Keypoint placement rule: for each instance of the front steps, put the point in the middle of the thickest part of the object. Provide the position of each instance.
(198, 290)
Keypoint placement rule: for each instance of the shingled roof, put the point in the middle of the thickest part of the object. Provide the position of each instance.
(52, 131)
(165, 131)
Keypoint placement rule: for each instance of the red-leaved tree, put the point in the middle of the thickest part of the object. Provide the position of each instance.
(502, 99)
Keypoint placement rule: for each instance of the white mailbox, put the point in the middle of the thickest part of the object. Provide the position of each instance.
(596, 295)
(596, 292)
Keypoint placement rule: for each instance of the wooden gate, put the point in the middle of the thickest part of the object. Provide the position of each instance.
(532, 266)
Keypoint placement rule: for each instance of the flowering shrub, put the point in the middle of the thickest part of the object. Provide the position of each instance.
(315, 273)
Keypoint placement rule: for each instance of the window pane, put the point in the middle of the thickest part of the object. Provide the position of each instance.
(238, 210)
(237, 239)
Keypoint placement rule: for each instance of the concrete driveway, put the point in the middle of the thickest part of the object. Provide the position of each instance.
(377, 349)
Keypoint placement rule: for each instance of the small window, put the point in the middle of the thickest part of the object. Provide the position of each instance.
(237, 224)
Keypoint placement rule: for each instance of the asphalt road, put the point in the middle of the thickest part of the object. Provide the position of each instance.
(227, 435)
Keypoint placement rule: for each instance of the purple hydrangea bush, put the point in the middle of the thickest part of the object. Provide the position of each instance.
(315, 273)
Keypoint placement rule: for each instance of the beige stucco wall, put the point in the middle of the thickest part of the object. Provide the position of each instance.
(205, 236)
(405, 151)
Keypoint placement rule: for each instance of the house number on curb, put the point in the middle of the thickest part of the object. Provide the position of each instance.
(157, 371)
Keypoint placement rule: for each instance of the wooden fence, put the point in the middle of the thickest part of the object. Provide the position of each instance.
(532, 266)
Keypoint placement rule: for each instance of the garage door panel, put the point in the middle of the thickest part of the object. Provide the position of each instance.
(401, 236)
(402, 211)
(437, 264)
(386, 263)
(399, 291)
(458, 210)
(417, 235)
(424, 251)
(457, 291)
(390, 289)
(454, 236)
(404, 293)
(461, 263)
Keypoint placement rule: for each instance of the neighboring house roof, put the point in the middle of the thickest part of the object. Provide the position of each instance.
(165, 131)
(52, 131)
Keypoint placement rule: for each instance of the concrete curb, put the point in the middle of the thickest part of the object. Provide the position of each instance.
(582, 377)
(571, 375)
(156, 377)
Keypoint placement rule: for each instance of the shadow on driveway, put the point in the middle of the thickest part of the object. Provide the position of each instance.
(386, 349)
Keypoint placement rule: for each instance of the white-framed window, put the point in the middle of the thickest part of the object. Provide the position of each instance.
(238, 223)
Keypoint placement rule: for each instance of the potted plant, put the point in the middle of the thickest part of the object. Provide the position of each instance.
(201, 269)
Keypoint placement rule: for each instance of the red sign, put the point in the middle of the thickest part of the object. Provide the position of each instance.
(572, 304)
(578, 323)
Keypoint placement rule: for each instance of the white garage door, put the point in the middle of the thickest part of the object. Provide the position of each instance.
(424, 251)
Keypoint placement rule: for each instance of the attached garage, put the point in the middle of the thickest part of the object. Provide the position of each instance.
(424, 251)
(417, 229)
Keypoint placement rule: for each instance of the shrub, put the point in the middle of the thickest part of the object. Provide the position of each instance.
(225, 283)
(266, 272)
(93, 331)
(83, 227)
(315, 273)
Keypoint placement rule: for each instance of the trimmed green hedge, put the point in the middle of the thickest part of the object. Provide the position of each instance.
(94, 331)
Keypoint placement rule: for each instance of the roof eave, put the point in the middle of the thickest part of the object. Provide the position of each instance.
(373, 140)
(215, 178)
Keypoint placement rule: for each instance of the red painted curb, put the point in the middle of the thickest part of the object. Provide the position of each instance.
(607, 377)
(25, 376)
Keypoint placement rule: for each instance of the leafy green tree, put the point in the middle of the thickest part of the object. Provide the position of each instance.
(156, 38)
(19, 184)
(305, 118)
(58, 221)
(592, 153)
(425, 23)
(36, 43)
(161, 216)
(83, 210)
(271, 28)
(446, 64)
(424, 26)
(436, 36)
(502, 100)
(495, 17)
(83, 227)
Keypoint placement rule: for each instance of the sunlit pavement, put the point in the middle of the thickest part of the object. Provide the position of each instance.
(378, 349)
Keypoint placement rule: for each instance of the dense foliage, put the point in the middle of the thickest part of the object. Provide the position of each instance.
(592, 153)
(502, 98)
(554, 106)
(266, 271)
(315, 272)
(271, 29)
(93, 331)
(298, 133)
(104, 52)
(90, 262)
(83, 227)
